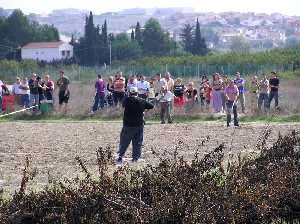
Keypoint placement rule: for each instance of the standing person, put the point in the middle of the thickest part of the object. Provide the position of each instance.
(1, 86)
(169, 82)
(119, 89)
(217, 85)
(231, 94)
(109, 91)
(151, 94)
(179, 90)
(25, 93)
(48, 89)
(201, 91)
(99, 94)
(165, 99)
(240, 83)
(143, 87)
(191, 96)
(41, 88)
(34, 92)
(16, 91)
(132, 82)
(133, 125)
(64, 91)
(274, 86)
(253, 90)
(207, 93)
(263, 96)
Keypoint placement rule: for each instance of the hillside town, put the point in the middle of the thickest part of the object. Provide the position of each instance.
(261, 31)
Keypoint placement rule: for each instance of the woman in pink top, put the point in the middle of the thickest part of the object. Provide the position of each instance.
(231, 95)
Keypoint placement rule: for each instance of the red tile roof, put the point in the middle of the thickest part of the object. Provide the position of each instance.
(35, 45)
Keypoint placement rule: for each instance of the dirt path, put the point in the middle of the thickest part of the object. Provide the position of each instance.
(52, 147)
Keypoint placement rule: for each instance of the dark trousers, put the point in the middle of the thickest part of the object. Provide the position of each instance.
(273, 95)
(118, 97)
(263, 99)
(134, 135)
(231, 108)
(99, 101)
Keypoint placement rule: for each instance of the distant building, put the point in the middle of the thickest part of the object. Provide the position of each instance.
(47, 51)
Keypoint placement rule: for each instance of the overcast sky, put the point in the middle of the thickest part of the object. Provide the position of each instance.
(289, 7)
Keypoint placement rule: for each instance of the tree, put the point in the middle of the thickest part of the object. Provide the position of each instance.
(132, 35)
(187, 38)
(292, 42)
(123, 48)
(239, 45)
(138, 34)
(155, 40)
(199, 44)
(16, 31)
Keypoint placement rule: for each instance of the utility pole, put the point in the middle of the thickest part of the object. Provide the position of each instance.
(109, 53)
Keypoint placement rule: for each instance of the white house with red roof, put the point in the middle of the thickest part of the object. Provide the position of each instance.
(47, 51)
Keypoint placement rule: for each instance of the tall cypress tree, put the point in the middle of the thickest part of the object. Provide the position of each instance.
(138, 34)
(199, 44)
(132, 36)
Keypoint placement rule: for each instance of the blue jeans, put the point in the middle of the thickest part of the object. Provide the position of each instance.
(99, 101)
(25, 100)
(231, 108)
(134, 135)
(263, 98)
(34, 99)
(273, 95)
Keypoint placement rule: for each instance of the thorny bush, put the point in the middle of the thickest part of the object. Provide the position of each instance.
(264, 189)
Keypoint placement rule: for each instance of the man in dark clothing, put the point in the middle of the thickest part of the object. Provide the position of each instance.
(64, 91)
(133, 124)
(274, 85)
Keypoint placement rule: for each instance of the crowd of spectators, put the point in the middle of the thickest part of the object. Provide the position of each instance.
(220, 94)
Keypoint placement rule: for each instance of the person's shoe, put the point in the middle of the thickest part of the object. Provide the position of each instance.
(162, 122)
(170, 122)
(137, 160)
(228, 125)
(236, 125)
(91, 113)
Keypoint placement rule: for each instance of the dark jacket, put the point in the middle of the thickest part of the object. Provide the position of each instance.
(134, 111)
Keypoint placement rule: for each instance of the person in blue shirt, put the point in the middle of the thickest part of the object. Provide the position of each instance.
(240, 83)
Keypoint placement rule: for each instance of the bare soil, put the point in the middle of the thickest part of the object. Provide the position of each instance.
(52, 147)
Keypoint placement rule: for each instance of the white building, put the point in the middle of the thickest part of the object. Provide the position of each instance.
(47, 51)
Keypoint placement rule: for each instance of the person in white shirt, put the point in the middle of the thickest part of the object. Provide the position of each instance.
(169, 82)
(165, 99)
(16, 91)
(143, 87)
(158, 83)
(132, 82)
(24, 92)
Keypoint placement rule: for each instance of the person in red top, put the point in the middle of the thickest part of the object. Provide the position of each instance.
(231, 95)
(119, 89)
(207, 92)
(48, 88)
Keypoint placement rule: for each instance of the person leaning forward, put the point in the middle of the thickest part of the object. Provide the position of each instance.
(133, 125)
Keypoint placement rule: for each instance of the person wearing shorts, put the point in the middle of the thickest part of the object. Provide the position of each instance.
(64, 92)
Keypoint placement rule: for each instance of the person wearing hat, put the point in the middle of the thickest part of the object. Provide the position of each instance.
(133, 125)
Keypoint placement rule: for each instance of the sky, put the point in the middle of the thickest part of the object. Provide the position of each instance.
(288, 7)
